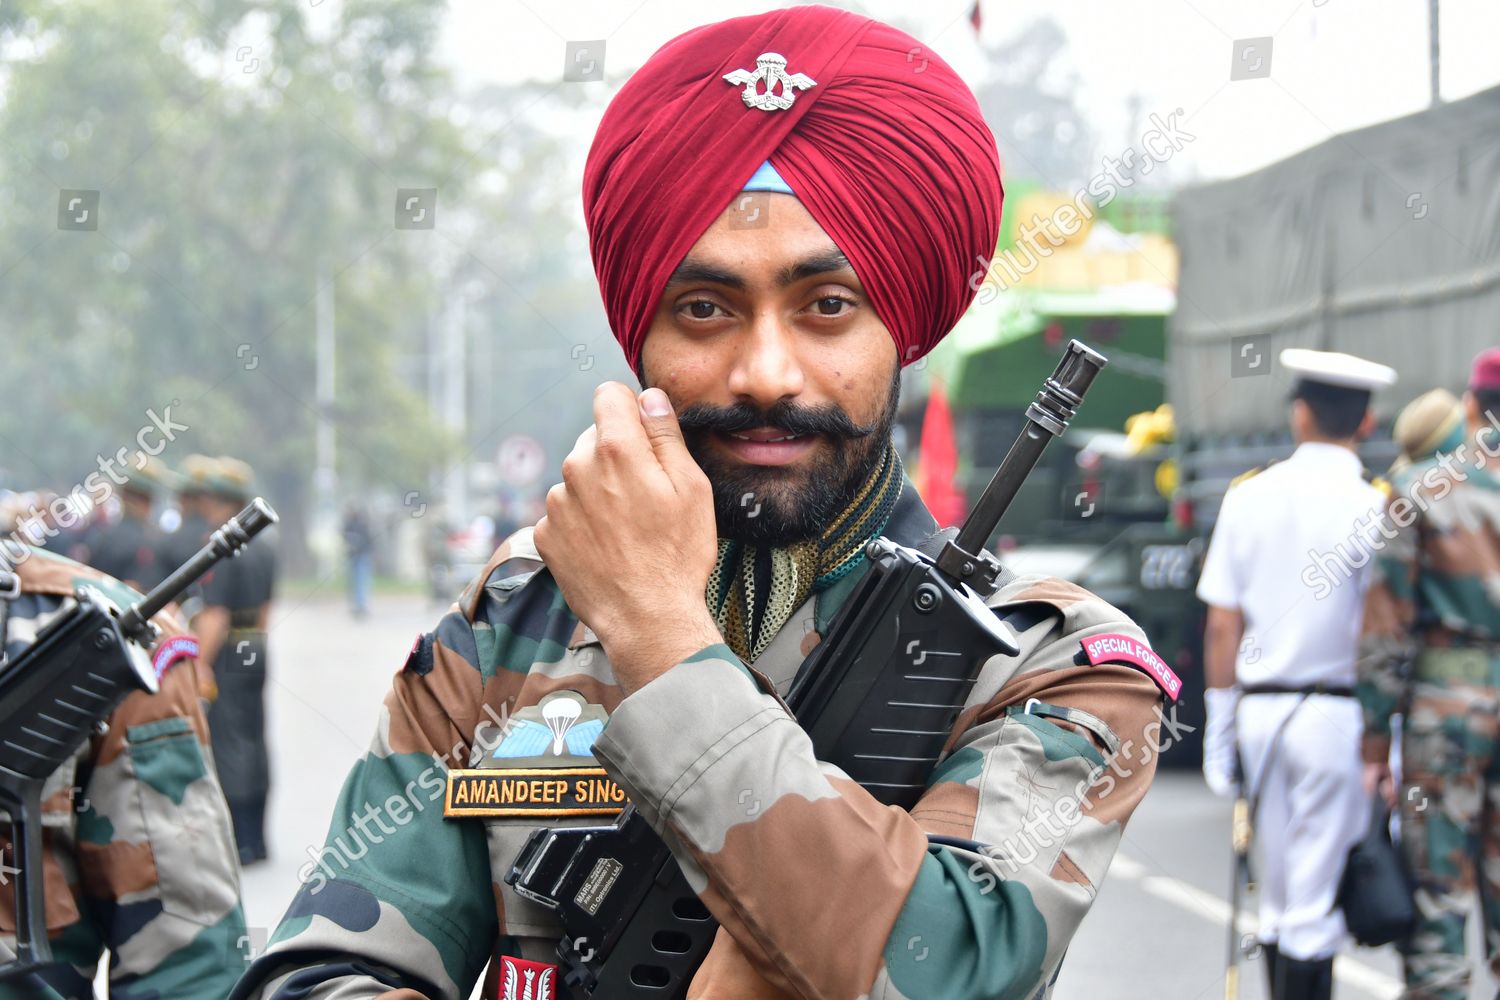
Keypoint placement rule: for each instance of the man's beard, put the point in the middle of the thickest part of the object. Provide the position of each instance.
(779, 505)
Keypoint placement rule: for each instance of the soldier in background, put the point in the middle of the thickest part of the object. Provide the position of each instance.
(1433, 422)
(232, 627)
(177, 546)
(1280, 663)
(192, 530)
(139, 851)
(1435, 606)
(130, 548)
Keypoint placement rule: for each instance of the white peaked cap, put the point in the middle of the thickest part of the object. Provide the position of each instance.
(1334, 368)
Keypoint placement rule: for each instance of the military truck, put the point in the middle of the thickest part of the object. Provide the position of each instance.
(1384, 242)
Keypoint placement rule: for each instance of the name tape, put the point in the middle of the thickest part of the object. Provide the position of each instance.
(539, 791)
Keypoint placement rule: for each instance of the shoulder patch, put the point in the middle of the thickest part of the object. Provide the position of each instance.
(1116, 647)
(1247, 474)
(419, 660)
(171, 651)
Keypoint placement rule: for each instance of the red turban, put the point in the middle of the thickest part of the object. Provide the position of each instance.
(886, 149)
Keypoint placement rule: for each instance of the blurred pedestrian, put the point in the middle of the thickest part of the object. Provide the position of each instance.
(359, 548)
(1432, 652)
(1280, 665)
(232, 628)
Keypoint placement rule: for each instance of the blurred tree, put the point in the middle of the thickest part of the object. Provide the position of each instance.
(240, 158)
(540, 341)
(1029, 102)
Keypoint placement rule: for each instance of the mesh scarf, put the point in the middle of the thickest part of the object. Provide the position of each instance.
(754, 589)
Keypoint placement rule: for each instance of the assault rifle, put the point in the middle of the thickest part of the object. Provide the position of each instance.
(59, 691)
(869, 698)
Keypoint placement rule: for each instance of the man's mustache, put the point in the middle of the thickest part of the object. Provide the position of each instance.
(784, 416)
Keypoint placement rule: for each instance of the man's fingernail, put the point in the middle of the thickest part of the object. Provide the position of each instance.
(654, 403)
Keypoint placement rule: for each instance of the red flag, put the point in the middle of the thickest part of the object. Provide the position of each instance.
(974, 17)
(940, 461)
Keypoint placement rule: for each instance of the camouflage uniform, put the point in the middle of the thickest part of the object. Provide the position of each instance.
(1436, 608)
(824, 892)
(140, 857)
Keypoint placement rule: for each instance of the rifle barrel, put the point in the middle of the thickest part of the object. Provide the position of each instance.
(226, 541)
(1046, 418)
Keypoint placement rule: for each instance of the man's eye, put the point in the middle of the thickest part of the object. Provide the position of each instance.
(700, 308)
(831, 305)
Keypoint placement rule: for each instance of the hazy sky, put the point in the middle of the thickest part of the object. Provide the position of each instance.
(1335, 64)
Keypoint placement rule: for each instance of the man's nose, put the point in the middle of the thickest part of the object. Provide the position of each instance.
(766, 367)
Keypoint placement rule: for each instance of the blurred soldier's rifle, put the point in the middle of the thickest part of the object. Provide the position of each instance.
(58, 691)
(1240, 877)
(632, 927)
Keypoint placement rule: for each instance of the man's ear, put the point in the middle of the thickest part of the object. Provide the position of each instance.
(1471, 409)
(1366, 426)
(1301, 420)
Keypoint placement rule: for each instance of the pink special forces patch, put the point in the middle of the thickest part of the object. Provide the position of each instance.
(1117, 648)
(171, 651)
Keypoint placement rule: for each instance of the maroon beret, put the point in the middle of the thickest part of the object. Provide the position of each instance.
(1486, 376)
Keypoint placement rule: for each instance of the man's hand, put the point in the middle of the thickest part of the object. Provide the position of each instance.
(1221, 704)
(630, 535)
(726, 974)
(1377, 778)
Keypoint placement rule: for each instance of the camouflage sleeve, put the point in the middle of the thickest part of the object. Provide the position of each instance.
(398, 904)
(157, 863)
(1385, 644)
(1026, 823)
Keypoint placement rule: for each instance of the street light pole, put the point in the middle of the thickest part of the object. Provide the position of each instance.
(1432, 51)
(325, 477)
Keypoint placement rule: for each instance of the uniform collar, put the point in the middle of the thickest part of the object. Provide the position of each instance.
(1328, 456)
(910, 524)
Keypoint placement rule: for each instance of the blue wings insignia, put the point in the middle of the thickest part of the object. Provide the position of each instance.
(533, 739)
(580, 738)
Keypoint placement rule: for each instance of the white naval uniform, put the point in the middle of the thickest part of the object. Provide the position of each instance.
(1298, 632)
